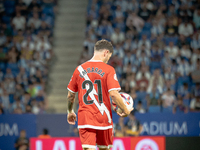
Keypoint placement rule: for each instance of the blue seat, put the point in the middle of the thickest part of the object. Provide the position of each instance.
(11, 98)
(167, 109)
(2, 65)
(154, 109)
(186, 102)
(13, 66)
(171, 39)
(147, 26)
(6, 19)
(145, 32)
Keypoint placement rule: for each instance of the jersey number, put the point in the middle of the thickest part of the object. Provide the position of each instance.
(87, 82)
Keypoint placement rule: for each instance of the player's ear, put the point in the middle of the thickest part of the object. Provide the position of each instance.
(106, 52)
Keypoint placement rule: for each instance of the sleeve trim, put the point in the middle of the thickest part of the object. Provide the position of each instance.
(118, 89)
(71, 90)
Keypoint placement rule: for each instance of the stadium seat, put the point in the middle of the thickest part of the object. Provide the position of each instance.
(186, 102)
(167, 109)
(147, 26)
(154, 109)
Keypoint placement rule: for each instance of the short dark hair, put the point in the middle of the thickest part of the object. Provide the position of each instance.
(45, 131)
(103, 44)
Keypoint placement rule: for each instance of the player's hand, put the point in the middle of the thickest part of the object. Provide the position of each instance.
(71, 118)
(125, 114)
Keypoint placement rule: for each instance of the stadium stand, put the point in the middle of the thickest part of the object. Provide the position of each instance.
(156, 49)
(26, 34)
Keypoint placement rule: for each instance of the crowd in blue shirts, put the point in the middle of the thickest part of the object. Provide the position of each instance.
(156, 50)
(26, 34)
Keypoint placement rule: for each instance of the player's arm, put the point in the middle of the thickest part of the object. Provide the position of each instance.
(116, 97)
(71, 116)
(70, 101)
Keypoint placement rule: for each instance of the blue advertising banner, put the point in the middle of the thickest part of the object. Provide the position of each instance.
(10, 126)
(56, 124)
(168, 124)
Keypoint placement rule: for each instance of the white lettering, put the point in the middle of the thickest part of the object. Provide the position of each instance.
(145, 128)
(161, 128)
(181, 129)
(38, 145)
(59, 145)
(72, 145)
(118, 144)
(1, 129)
(154, 125)
(170, 128)
(11, 131)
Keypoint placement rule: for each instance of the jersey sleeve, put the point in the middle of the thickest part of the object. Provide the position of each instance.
(112, 82)
(73, 86)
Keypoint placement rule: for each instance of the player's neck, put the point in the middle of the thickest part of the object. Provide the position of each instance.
(97, 58)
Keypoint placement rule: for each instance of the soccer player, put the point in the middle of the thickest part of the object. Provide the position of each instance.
(95, 82)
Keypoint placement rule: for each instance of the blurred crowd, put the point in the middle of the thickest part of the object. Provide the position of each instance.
(26, 34)
(156, 50)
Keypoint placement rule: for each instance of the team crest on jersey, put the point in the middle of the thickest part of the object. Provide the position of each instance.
(115, 77)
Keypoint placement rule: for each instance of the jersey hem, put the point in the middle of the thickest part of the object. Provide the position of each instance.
(118, 89)
(95, 127)
(71, 90)
(88, 146)
(104, 146)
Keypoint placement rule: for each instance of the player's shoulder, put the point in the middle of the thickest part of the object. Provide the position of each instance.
(96, 64)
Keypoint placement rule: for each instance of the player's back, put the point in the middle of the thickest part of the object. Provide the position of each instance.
(94, 80)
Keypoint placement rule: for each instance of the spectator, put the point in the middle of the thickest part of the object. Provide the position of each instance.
(117, 36)
(182, 41)
(195, 56)
(184, 68)
(170, 29)
(133, 126)
(195, 42)
(196, 18)
(34, 22)
(118, 51)
(28, 109)
(157, 77)
(185, 28)
(144, 13)
(45, 134)
(22, 140)
(17, 105)
(184, 91)
(4, 101)
(144, 41)
(172, 50)
(134, 21)
(105, 29)
(27, 43)
(144, 50)
(75, 132)
(19, 22)
(195, 104)
(120, 128)
(1, 111)
(153, 97)
(143, 81)
(156, 28)
(185, 52)
(180, 107)
(196, 72)
(168, 98)
(168, 74)
(140, 108)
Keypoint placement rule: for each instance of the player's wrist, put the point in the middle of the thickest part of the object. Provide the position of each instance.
(70, 111)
